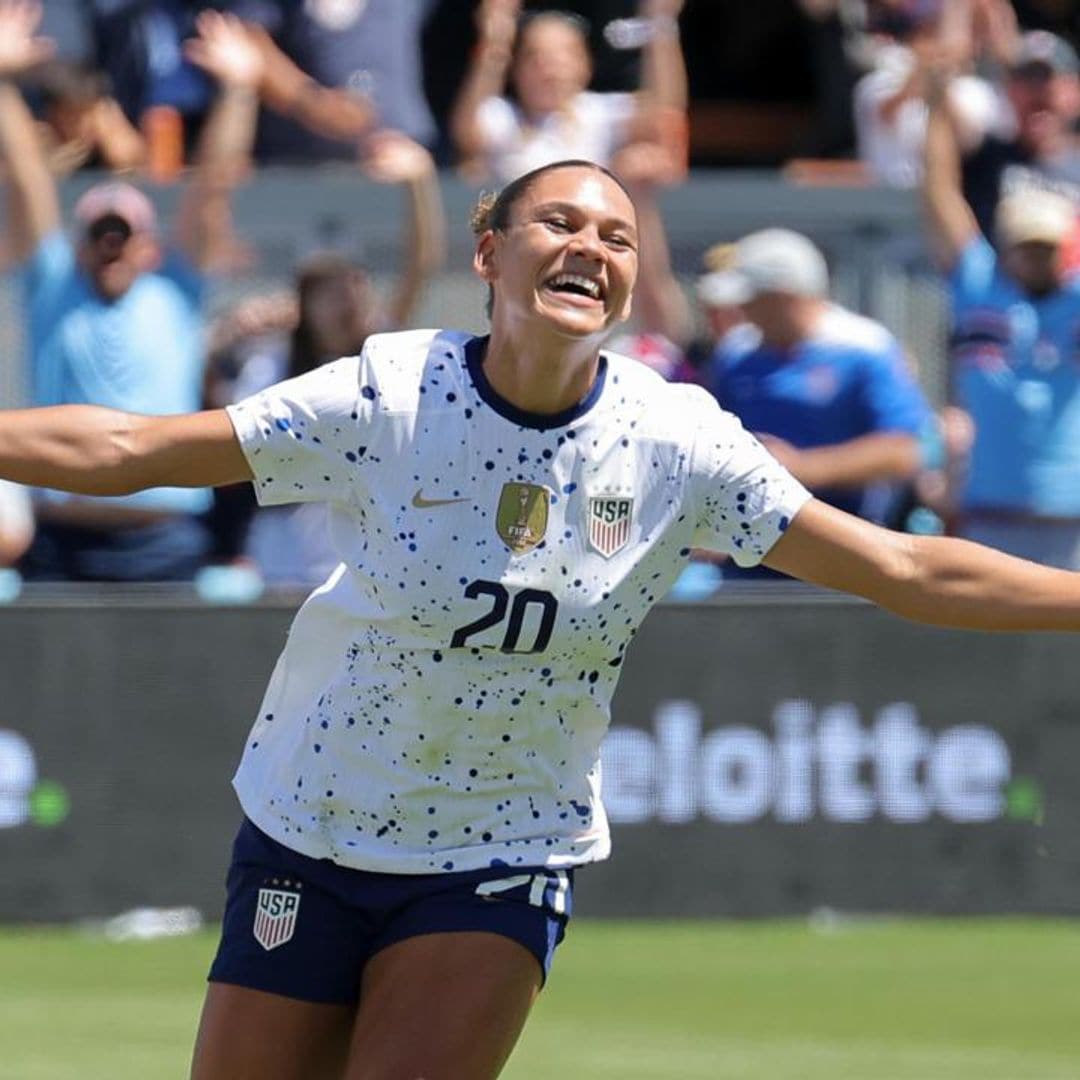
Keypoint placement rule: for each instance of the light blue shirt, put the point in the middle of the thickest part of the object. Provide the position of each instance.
(1016, 370)
(141, 353)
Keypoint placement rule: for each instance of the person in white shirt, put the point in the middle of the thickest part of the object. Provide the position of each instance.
(550, 114)
(423, 779)
(890, 101)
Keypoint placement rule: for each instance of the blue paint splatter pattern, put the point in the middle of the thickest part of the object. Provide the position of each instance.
(409, 727)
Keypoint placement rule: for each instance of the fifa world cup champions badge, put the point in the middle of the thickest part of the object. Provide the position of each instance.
(522, 517)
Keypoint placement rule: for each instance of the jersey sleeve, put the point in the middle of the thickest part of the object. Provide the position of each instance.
(48, 267)
(743, 498)
(894, 401)
(306, 439)
(973, 275)
(185, 276)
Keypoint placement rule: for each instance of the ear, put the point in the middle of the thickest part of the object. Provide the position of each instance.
(484, 258)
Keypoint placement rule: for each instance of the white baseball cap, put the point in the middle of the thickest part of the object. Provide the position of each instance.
(779, 260)
(1034, 216)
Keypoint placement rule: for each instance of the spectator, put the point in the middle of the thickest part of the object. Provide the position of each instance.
(890, 110)
(553, 116)
(113, 319)
(1014, 367)
(140, 45)
(1043, 89)
(719, 295)
(367, 52)
(828, 391)
(336, 308)
(83, 125)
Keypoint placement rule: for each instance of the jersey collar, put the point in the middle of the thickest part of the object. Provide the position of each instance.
(476, 347)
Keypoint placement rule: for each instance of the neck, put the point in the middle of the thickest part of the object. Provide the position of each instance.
(540, 375)
(800, 323)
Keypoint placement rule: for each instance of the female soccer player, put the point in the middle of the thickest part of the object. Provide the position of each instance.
(422, 780)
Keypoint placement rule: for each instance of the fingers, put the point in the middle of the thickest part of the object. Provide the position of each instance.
(226, 49)
(20, 50)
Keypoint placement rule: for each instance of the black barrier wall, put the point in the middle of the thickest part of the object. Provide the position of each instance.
(767, 758)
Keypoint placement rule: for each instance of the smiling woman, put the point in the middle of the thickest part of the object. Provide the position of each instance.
(422, 779)
(558, 248)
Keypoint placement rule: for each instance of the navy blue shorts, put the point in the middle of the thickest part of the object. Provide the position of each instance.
(305, 927)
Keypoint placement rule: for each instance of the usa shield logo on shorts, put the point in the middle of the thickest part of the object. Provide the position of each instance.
(610, 517)
(275, 917)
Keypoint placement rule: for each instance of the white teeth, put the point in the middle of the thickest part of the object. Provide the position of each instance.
(590, 286)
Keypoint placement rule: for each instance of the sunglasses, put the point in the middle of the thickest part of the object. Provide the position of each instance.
(1034, 71)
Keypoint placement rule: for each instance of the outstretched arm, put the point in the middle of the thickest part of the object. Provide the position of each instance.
(929, 579)
(950, 219)
(94, 451)
(496, 24)
(393, 158)
(868, 459)
(332, 112)
(33, 207)
(225, 50)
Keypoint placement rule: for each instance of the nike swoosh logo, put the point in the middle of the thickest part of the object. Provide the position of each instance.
(421, 503)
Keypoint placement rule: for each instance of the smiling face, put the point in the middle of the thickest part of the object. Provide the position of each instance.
(566, 260)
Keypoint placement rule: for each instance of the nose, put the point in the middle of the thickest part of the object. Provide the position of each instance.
(111, 245)
(586, 243)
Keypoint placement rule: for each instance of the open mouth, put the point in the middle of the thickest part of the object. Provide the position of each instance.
(575, 287)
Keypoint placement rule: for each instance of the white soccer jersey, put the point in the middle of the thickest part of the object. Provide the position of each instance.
(441, 699)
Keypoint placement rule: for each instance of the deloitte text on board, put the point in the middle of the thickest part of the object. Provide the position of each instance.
(817, 763)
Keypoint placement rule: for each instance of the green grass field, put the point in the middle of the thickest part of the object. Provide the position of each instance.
(872, 1000)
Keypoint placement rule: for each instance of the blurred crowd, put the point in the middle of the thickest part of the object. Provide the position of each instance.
(973, 103)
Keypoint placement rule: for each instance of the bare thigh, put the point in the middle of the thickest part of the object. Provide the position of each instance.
(251, 1035)
(442, 1007)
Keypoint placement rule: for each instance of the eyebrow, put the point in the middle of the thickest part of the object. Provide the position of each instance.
(573, 209)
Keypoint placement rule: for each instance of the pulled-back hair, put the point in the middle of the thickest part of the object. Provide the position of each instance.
(493, 208)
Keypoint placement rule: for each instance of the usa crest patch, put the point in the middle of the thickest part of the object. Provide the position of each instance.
(275, 917)
(610, 517)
